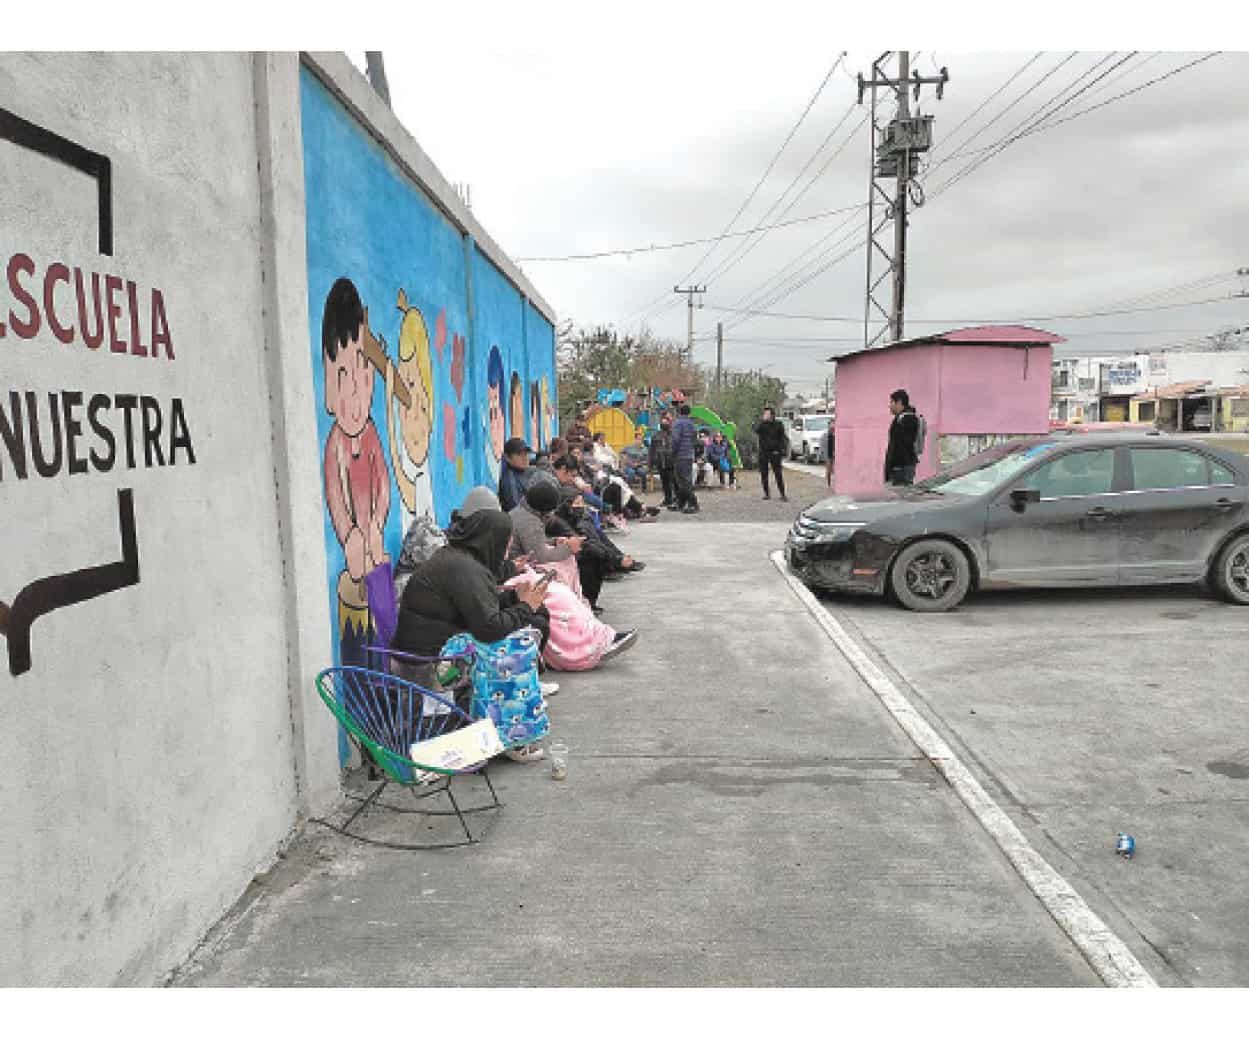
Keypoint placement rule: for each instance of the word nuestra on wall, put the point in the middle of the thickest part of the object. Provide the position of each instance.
(75, 431)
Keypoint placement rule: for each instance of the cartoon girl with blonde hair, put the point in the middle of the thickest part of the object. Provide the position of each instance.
(410, 393)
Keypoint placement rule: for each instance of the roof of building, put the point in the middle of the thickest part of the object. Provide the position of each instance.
(974, 335)
(1173, 391)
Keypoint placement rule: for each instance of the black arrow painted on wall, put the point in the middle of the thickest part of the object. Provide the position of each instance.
(45, 595)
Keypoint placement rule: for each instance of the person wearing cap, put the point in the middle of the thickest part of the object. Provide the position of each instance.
(529, 526)
(515, 476)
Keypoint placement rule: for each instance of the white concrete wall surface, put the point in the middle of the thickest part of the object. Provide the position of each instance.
(146, 765)
(163, 736)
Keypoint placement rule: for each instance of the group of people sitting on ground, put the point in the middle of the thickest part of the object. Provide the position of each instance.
(494, 575)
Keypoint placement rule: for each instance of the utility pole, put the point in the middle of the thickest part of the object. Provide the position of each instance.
(719, 352)
(377, 74)
(895, 151)
(689, 292)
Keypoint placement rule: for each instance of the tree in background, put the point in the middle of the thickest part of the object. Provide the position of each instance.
(597, 358)
(741, 399)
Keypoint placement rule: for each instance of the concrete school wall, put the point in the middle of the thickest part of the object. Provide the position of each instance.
(162, 462)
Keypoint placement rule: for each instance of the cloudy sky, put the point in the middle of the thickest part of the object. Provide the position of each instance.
(584, 135)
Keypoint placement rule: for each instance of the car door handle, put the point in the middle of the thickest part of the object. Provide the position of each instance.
(1098, 513)
(1224, 503)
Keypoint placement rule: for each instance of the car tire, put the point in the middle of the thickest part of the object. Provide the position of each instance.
(1231, 571)
(930, 576)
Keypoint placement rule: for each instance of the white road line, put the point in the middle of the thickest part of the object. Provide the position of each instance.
(1108, 955)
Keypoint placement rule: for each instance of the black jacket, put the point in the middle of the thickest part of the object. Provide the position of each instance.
(456, 590)
(772, 436)
(903, 432)
(661, 449)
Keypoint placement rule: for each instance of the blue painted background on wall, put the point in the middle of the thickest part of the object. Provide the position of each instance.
(375, 237)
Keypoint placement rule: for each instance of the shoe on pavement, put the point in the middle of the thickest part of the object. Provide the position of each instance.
(549, 689)
(598, 611)
(622, 642)
(652, 510)
(767, 498)
(638, 565)
(784, 498)
(528, 753)
(690, 510)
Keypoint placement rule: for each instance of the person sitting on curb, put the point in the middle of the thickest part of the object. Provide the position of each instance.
(529, 523)
(457, 591)
(515, 476)
(603, 453)
(599, 557)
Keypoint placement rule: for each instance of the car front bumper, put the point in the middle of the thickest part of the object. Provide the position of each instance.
(855, 564)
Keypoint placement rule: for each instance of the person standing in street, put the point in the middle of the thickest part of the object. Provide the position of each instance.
(901, 456)
(661, 460)
(684, 435)
(773, 445)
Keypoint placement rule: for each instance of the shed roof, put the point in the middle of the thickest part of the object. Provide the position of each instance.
(974, 335)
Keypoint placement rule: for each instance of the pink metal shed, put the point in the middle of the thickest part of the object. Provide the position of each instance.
(974, 386)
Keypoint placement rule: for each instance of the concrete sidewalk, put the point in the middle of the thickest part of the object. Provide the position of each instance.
(740, 810)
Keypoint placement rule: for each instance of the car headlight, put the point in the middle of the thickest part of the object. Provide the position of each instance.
(825, 531)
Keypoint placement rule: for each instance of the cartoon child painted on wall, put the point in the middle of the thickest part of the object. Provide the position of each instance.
(516, 409)
(548, 411)
(496, 425)
(409, 451)
(535, 415)
(357, 484)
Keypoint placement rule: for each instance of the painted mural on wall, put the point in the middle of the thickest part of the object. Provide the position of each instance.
(415, 402)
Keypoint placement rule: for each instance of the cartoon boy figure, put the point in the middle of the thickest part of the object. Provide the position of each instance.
(517, 408)
(357, 485)
(495, 422)
(410, 387)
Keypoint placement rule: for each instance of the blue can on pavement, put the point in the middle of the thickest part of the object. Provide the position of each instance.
(1125, 846)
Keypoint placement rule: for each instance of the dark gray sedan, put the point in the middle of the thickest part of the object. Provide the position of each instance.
(1062, 511)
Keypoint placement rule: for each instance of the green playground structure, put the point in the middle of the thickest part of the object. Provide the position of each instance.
(705, 417)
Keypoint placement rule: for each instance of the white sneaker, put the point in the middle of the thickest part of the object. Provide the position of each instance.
(549, 689)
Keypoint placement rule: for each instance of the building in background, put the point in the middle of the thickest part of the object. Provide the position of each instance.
(1179, 391)
(974, 387)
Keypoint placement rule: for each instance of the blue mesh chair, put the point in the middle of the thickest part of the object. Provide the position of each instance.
(385, 715)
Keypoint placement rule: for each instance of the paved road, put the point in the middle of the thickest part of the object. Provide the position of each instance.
(737, 813)
(1095, 712)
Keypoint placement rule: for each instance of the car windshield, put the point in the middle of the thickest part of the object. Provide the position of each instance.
(983, 472)
(816, 425)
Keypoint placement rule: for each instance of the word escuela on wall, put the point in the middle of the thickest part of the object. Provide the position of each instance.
(73, 431)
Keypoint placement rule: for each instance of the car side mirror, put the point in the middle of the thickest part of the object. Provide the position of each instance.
(1021, 498)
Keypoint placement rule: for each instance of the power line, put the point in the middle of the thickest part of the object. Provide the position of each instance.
(744, 250)
(755, 190)
(1037, 126)
(634, 250)
(1032, 120)
(983, 321)
(993, 95)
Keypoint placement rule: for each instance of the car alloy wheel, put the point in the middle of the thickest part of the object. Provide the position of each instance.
(931, 575)
(1233, 571)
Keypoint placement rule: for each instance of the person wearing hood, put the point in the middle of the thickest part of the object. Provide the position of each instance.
(529, 524)
(457, 590)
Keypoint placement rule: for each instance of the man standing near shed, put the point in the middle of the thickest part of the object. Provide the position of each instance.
(902, 454)
(773, 446)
